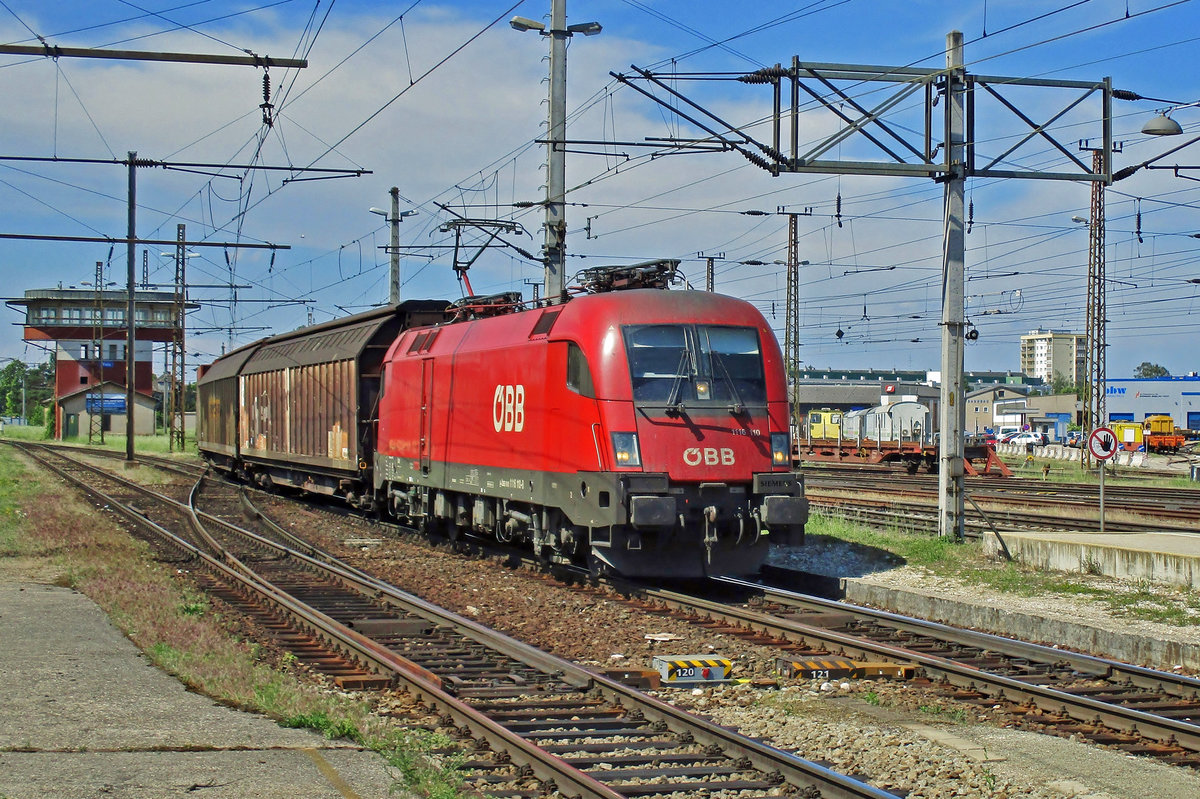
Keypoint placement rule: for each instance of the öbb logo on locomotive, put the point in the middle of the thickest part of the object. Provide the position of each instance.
(709, 456)
(508, 408)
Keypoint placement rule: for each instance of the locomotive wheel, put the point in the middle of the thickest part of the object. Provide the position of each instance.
(596, 567)
(432, 526)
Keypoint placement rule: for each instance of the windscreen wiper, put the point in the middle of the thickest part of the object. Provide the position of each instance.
(738, 408)
(674, 405)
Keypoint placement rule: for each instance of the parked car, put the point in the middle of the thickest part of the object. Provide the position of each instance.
(1074, 438)
(1029, 437)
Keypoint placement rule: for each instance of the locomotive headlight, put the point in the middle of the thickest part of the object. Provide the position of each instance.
(781, 449)
(703, 390)
(625, 449)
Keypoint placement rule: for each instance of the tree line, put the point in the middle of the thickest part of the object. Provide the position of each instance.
(27, 387)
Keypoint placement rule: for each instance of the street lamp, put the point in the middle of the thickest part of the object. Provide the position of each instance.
(394, 250)
(1160, 125)
(1163, 125)
(555, 246)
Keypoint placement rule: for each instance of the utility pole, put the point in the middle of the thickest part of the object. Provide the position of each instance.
(96, 416)
(394, 218)
(953, 415)
(394, 282)
(710, 278)
(554, 248)
(129, 308)
(178, 381)
(791, 324)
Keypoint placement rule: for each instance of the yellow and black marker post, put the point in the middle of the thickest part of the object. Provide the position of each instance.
(693, 668)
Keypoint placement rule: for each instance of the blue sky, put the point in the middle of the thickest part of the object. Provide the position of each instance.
(446, 102)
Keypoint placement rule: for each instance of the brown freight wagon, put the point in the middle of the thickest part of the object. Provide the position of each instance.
(299, 409)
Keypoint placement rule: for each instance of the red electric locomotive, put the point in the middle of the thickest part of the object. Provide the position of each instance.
(643, 431)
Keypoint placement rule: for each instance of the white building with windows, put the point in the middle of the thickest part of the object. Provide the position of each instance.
(1046, 353)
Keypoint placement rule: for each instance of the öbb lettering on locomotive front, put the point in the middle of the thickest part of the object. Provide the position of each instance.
(709, 456)
(508, 408)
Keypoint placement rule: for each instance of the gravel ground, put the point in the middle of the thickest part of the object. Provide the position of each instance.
(898, 737)
(895, 736)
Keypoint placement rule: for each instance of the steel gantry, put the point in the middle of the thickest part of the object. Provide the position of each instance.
(944, 146)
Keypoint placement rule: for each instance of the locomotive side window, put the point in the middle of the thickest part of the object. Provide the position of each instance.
(700, 364)
(579, 376)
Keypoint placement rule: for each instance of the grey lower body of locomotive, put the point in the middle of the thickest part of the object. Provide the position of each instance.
(637, 525)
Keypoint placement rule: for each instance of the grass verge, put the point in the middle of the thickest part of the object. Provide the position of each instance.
(69, 543)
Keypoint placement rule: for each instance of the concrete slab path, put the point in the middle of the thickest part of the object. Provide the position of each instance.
(84, 714)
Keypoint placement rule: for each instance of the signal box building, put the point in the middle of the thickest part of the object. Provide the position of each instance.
(88, 332)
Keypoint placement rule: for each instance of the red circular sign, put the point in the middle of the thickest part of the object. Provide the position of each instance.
(1102, 443)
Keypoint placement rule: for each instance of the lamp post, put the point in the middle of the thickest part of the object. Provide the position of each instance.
(555, 246)
(394, 249)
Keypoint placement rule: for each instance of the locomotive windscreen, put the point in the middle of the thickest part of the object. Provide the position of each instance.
(696, 364)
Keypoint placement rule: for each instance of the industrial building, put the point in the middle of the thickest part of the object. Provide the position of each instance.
(1133, 399)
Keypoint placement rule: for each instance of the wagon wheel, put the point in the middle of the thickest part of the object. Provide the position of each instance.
(454, 534)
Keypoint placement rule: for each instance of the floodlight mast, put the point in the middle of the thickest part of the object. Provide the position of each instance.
(555, 247)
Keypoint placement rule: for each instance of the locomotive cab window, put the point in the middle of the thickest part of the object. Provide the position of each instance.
(579, 376)
(698, 364)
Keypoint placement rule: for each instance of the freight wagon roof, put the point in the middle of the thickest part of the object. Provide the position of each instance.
(335, 340)
(228, 365)
(339, 343)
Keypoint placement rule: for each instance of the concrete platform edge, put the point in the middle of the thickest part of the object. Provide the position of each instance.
(1124, 556)
(1139, 649)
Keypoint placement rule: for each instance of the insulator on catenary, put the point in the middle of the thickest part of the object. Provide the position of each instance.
(266, 103)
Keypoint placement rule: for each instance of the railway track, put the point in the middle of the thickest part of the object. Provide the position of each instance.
(1012, 504)
(1138, 710)
(180, 466)
(955, 659)
(549, 724)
